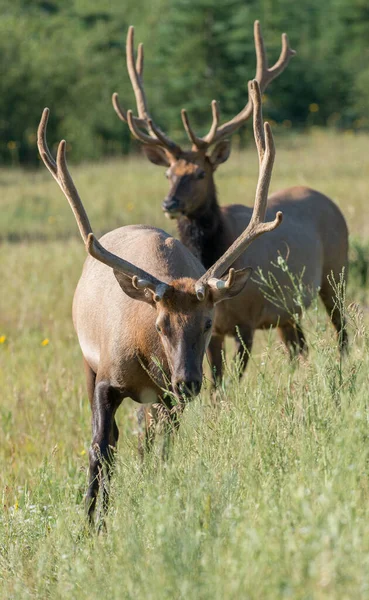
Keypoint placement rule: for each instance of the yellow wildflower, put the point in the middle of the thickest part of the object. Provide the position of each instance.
(2, 339)
(45, 342)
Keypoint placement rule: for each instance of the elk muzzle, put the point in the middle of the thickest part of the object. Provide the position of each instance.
(186, 360)
(171, 207)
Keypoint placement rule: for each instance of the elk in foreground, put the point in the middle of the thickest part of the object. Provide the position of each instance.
(144, 295)
(313, 235)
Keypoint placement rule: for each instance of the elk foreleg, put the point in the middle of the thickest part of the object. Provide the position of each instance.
(105, 435)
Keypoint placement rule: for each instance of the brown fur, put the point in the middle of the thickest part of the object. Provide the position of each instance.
(141, 328)
(133, 345)
(121, 330)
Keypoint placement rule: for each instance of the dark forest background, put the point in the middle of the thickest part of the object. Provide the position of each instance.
(70, 55)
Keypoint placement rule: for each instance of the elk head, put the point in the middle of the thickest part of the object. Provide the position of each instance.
(190, 173)
(184, 307)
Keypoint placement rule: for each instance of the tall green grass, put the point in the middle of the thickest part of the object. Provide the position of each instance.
(264, 496)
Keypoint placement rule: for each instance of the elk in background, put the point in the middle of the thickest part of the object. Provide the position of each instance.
(313, 235)
(142, 296)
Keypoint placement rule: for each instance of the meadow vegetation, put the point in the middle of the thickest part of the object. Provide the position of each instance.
(264, 496)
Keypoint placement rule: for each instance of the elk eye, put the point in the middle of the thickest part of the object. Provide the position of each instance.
(208, 325)
(201, 175)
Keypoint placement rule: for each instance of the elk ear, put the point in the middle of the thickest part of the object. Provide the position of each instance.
(126, 283)
(156, 155)
(220, 153)
(240, 278)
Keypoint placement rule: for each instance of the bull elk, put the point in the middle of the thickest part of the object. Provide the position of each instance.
(313, 235)
(155, 301)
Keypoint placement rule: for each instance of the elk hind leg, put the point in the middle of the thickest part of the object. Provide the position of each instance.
(104, 441)
(338, 319)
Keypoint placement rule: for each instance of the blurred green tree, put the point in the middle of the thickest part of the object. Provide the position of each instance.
(70, 55)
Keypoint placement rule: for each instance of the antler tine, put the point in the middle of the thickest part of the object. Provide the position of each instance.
(93, 246)
(209, 138)
(264, 76)
(198, 142)
(261, 196)
(140, 278)
(135, 70)
(266, 150)
(122, 113)
(162, 139)
(118, 108)
(283, 60)
(134, 76)
(137, 133)
(140, 60)
(70, 191)
(158, 138)
(43, 148)
(60, 172)
(255, 95)
(261, 56)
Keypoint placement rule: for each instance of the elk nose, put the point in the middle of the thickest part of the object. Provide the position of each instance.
(187, 388)
(170, 204)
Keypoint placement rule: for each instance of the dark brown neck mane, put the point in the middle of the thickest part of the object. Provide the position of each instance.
(203, 232)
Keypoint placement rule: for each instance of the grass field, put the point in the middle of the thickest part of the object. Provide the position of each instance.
(265, 496)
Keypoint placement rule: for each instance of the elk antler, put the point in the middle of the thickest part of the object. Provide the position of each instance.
(62, 176)
(135, 70)
(257, 226)
(264, 75)
(59, 170)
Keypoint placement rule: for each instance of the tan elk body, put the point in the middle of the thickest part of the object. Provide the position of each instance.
(313, 237)
(144, 304)
(118, 341)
